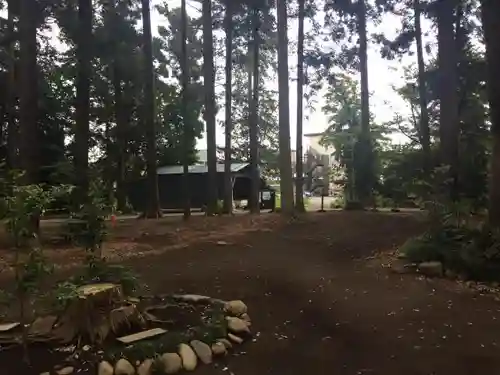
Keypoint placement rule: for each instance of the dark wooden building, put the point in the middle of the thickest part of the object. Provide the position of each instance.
(170, 186)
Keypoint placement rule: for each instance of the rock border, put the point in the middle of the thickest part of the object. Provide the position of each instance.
(190, 355)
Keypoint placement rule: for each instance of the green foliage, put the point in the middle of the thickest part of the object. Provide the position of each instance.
(116, 137)
(100, 271)
(460, 241)
(65, 293)
(88, 229)
(88, 225)
(337, 202)
(213, 326)
(22, 207)
(355, 151)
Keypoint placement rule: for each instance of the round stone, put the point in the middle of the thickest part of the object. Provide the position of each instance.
(188, 356)
(171, 362)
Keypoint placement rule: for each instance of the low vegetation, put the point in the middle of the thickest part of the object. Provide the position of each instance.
(464, 243)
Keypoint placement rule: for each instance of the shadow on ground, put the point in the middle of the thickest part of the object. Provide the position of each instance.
(318, 305)
(318, 308)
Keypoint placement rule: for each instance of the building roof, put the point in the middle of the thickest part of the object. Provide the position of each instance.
(178, 169)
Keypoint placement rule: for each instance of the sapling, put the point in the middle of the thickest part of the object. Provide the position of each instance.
(90, 232)
(22, 208)
(90, 228)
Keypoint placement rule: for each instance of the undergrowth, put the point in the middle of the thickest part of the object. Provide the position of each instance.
(212, 327)
(465, 244)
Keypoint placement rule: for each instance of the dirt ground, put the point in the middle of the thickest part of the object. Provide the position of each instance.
(320, 304)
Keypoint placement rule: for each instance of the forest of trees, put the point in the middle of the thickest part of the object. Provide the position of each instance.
(91, 96)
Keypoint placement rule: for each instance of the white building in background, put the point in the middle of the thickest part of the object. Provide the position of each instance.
(313, 147)
(317, 154)
(202, 157)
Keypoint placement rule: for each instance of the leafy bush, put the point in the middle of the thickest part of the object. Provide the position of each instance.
(337, 202)
(463, 245)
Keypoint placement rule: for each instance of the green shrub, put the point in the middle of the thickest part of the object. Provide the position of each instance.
(337, 203)
(469, 250)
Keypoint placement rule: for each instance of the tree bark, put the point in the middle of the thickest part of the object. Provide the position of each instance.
(254, 117)
(363, 60)
(153, 209)
(82, 110)
(286, 176)
(422, 91)
(209, 82)
(108, 177)
(29, 150)
(299, 170)
(365, 138)
(448, 92)
(489, 11)
(228, 183)
(121, 131)
(186, 136)
(11, 95)
(120, 117)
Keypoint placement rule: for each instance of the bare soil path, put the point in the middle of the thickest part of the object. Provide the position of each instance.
(321, 308)
(319, 305)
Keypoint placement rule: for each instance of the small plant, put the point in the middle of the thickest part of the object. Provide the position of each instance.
(338, 202)
(88, 224)
(64, 293)
(22, 208)
(88, 229)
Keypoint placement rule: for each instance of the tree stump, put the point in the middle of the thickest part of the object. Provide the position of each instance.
(95, 312)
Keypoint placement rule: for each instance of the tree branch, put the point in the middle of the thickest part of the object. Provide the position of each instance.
(412, 138)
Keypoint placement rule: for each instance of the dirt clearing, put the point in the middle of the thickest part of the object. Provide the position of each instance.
(319, 306)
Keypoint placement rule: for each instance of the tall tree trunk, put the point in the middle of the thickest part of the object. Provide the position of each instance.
(363, 59)
(285, 162)
(254, 117)
(299, 170)
(29, 148)
(108, 166)
(228, 183)
(82, 110)
(209, 83)
(448, 91)
(153, 210)
(422, 91)
(365, 145)
(186, 136)
(249, 95)
(120, 116)
(3, 133)
(121, 131)
(490, 10)
(12, 131)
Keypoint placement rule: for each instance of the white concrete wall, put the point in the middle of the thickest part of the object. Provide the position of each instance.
(312, 144)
